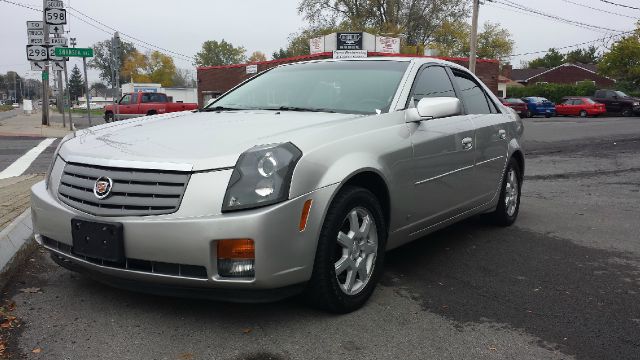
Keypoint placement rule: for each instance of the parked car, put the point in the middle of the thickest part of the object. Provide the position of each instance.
(92, 106)
(618, 102)
(15, 105)
(580, 106)
(298, 180)
(144, 103)
(539, 106)
(516, 104)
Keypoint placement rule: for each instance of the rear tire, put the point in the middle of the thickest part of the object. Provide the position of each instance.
(150, 113)
(108, 117)
(626, 112)
(350, 253)
(508, 207)
(583, 113)
(528, 114)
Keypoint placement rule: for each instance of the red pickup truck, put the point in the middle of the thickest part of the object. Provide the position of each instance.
(144, 103)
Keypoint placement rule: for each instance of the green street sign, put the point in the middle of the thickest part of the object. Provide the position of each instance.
(45, 75)
(74, 52)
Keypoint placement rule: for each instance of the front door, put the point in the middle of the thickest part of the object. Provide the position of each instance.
(491, 138)
(443, 154)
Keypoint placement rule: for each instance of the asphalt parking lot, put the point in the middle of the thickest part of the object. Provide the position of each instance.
(563, 282)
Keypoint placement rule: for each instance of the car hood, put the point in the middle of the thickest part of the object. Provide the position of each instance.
(193, 140)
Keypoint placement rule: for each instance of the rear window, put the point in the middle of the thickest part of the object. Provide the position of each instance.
(514, 101)
(588, 101)
(154, 98)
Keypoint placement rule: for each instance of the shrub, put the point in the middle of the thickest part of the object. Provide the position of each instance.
(553, 92)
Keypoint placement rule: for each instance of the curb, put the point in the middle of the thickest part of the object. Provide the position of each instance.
(15, 238)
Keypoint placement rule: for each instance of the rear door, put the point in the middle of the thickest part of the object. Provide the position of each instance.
(443, 156)
(490, 144)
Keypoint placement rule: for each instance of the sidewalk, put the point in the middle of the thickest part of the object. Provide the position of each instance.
(31, 125)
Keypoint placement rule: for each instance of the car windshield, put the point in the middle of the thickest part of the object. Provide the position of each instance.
(621, 94)
(354, 87)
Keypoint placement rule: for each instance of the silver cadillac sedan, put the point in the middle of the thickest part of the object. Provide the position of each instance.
(296, 181)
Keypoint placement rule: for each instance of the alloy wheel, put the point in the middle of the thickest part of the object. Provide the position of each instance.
(356, 254)
(511, 193)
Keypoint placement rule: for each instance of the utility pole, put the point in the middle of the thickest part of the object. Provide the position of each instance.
(474, 36)
(115, 51)
(15, 89)
(45, 72)
(86, 88)
(66, 81)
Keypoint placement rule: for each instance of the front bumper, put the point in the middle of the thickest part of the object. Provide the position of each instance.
(284, 255)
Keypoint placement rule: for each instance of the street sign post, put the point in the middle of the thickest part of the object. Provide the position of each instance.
(37, 53)
(56, 29)
(59, 41)
(57, 66)
(73, 52)
(52, 54)
(38, 65)
(55, 16)
(54, 4)
(35, 25)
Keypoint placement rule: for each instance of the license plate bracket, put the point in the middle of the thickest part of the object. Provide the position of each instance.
(98, 240)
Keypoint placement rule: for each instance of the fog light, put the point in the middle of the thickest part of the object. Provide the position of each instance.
(236, 258)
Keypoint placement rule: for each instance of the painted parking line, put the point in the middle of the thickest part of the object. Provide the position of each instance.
(22, 164)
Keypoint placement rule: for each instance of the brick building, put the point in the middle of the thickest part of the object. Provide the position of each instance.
(564, 74)
(215, 80)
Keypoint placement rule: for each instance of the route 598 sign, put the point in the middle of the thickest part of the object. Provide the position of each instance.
(55, 16)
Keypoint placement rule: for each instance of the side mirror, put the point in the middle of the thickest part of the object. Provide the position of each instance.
(439, 107)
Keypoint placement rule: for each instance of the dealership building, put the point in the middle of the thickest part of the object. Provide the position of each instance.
(216, 80)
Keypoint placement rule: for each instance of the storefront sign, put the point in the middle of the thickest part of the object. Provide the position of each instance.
(316, 45)
(387, 45)
(349, 41)
(349, 54)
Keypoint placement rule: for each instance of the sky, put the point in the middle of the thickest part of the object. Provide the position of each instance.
(260, 25)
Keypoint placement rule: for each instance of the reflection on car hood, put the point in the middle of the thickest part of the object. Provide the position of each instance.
(202, 140)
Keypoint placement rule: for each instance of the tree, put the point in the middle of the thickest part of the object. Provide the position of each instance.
(281, 54)
(452, 39)
(134, 68)
(622, 62)
(215, 53)
(551, 59)
(416, 20)
(101, 60)
(585, 56)
(76, 85)
(257, 56)
(161, 68)
(183, 78)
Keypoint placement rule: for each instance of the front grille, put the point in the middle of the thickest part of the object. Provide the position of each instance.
(152, 267)
(135, 192)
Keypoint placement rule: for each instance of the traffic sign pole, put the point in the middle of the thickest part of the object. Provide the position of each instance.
(86, 88)
(66, 81)
(45, 73)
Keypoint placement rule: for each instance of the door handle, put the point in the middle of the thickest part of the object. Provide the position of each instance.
(467, 143)
(502, 134)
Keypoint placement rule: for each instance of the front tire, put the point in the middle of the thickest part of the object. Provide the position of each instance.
(350, 252)
(108, 117)
(509, 203)
(627, 112)
(583, 113)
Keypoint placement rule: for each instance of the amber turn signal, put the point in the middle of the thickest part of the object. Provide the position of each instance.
(236, 249)
(306, 209)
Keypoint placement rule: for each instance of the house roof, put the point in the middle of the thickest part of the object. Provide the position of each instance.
(524, 75)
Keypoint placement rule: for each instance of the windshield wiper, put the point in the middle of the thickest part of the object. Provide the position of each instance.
(301, 109)
(220, 108)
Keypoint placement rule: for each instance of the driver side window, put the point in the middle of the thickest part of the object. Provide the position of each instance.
(432, 81)
(126, 100)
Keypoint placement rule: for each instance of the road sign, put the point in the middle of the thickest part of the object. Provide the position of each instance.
(60, 41)
(54, 4)
(37, 53)
(53, 56)
(57, 66)
(55, 16)
(38, 66)
(35, 41)
(56, 29)
(35, 33)
(74, 52)
(35, 25)
(45, 75)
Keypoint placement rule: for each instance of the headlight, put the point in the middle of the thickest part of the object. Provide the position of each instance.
(55, 156)
(636, 103)
(261, 177)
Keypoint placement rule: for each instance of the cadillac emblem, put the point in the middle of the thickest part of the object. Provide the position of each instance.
(102, 187)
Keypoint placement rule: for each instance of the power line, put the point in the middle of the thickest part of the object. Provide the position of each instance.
(621, 5)
(525, 8)
(573, 45)
(513, 9)
(601, 10)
